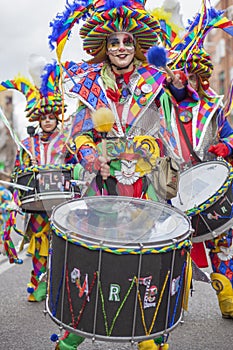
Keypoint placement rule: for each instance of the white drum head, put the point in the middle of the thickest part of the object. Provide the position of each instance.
(121, 221)
(200, 183)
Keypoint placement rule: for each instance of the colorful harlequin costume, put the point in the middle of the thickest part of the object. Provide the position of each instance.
(8, 210)
(46, 148)
(133, 98)
(209, 132)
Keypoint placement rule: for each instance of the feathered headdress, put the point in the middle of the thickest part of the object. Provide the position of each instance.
(104, 17)
(64, 22)
(170, 31)
(26, 87)
(41, 100)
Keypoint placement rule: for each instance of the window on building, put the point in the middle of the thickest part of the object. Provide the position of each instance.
(221, 78)
(220, 50)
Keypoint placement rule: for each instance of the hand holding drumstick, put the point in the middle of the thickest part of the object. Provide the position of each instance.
(31, 133)
(157, 56)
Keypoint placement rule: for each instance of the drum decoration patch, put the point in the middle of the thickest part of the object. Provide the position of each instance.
(133, 158)
(48, 177)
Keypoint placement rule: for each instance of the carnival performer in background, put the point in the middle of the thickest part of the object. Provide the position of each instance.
(5, 198)
(119, 94)
(200, 132)
(46, 147)
(8, 211)
(216, 139)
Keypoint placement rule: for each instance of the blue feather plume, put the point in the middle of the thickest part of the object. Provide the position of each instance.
(109, 4)
(48, 70)
(157, 56)
(58, 23)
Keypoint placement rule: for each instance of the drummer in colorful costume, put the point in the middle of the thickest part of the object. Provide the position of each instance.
(44, 148)
(118, 79)
(198, 130)
(119, 94)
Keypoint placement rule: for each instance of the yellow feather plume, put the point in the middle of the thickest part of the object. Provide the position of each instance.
(103, 119)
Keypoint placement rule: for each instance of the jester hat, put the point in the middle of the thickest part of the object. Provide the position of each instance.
(40, 101)
(102, 18)
(189, 53)
(198, 62)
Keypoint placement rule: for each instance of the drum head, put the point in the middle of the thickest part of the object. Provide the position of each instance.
(200, 183)
(121, 221)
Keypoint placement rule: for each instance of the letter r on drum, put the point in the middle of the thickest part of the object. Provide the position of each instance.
(224, 210)
(114, 294)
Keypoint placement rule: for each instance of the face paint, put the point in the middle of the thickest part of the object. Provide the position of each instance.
(121, 50)
(120, 42)
(48, 122)
(49, 117)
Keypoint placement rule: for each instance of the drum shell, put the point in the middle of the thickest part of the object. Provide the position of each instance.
(117, 269)
(214, 220)
(55, 189)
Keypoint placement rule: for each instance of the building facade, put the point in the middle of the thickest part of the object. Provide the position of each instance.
(220, 47)
(7, 145)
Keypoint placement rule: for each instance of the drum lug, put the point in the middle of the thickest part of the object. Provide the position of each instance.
(214, 234)
(37, 197)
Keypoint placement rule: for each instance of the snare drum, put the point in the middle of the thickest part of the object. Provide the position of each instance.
(117, 267)
(45, 187)
(205, 195)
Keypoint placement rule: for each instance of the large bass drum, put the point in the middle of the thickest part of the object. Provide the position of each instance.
(205, 195)
(117, 267)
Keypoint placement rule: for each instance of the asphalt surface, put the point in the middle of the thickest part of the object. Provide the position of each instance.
(26, 326)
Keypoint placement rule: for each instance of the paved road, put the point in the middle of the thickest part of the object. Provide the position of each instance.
(24, 325)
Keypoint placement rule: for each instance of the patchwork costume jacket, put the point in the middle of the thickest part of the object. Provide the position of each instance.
(137, 116)
(203, 120)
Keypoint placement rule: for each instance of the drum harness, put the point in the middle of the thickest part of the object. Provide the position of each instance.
(188, 143)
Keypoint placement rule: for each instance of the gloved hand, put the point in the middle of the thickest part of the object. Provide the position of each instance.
(220, 150)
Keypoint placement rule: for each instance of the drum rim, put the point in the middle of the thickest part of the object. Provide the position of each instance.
(146, 247)
(41, 168)
(42, 197)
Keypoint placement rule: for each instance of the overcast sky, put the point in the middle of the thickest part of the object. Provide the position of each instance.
(24, 30)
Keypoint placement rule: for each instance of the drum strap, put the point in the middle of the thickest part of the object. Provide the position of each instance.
(110, 183)
(188, 143)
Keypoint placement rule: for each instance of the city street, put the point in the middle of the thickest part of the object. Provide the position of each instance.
(25, 326)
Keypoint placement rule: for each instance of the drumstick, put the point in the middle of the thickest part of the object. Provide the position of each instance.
(31, 133)
(103, 120)
(21, 187)
(157, 56)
